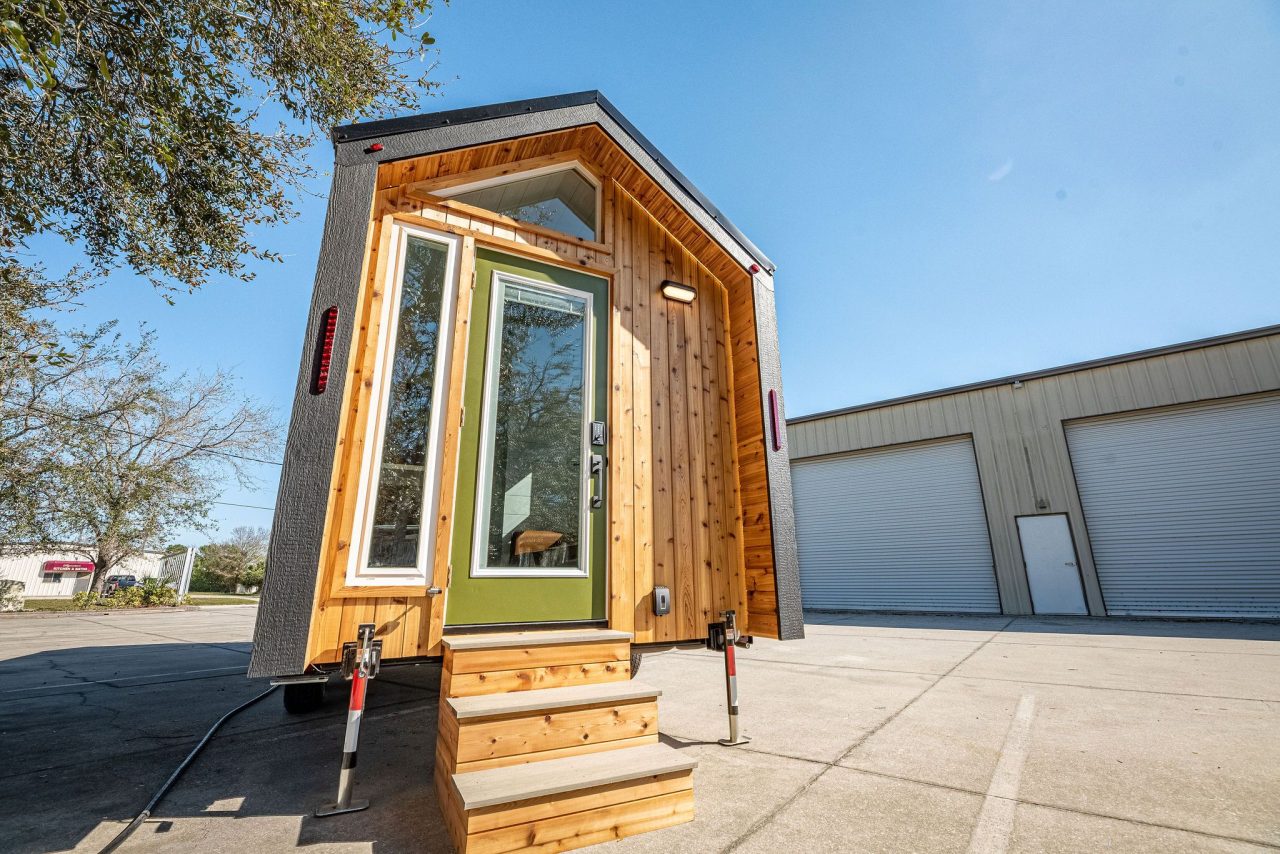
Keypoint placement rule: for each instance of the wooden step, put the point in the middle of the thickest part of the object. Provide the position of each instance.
(525, 661)
(501, 640)
(504, 786)
(568, 803)
(547, 699)
(533, 726)
(545, 744)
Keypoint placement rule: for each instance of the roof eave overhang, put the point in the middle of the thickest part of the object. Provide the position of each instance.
(432, 133)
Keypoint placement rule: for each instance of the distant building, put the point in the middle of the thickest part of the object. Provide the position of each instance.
(58, 575)
(1143, 484)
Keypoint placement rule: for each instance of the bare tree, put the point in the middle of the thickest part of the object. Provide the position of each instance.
(112, 451)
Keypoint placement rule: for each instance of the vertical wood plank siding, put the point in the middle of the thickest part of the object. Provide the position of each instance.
(688, 495)
(1020, 441)
(753, 478)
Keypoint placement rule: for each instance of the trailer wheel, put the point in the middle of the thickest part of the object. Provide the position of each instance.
(636, 658)
(304, 697)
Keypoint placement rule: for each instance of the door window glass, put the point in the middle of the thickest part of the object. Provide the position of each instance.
(532, 503)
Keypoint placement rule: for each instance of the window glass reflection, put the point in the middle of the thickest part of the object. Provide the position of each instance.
(395, 536)
(536, 432)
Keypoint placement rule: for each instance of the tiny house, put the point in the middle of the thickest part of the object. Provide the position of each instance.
(538, 420)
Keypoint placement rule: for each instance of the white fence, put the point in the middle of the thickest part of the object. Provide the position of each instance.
(175, 570)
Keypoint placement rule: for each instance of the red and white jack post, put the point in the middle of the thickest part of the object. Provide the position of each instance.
(360, 662)
(724, 637)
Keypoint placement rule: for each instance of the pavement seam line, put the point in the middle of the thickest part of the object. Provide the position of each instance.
(1042, 804)
(1144, 823)
(994, 827)
(1113, 688)
(1152, 649)
(947, 787)
(818, 666)
(999, 679)
(169, 637)
(766, 819)
(979, 648)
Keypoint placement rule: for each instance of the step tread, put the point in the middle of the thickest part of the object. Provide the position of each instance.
(505, 640)
(541, 699)
(513, 783)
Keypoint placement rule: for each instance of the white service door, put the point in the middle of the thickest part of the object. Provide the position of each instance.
(1183, 508)
(1052, 571)
(894, 529)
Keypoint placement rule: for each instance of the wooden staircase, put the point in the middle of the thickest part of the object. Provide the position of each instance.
(545, 744)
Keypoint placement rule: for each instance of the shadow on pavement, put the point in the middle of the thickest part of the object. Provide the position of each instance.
(1235, 629)
(90, 733)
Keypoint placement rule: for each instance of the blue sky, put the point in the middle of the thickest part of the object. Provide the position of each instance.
(952, 192)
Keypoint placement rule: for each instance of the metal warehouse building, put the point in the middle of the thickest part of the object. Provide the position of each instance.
(1145, 484)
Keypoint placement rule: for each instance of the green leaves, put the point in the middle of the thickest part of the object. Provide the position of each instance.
(166, 136)
(14, 36)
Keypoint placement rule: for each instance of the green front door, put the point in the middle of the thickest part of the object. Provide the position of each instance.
(529, 524)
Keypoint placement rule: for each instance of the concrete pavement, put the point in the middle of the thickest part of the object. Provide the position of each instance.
(876, 733)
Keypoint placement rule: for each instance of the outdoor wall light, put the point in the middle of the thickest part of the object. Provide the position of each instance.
(678, 292)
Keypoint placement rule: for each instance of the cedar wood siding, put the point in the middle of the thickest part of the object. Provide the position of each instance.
(694, 486)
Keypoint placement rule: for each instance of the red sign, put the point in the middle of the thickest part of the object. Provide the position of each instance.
(68, 566)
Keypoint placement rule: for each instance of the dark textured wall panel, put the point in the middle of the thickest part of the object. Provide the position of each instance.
(288, 592)
(786, 562)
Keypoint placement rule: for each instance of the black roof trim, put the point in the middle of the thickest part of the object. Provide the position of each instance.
(426, 121)
(1198, 344)
(345, 134)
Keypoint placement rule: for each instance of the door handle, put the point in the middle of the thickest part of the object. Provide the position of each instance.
(597, 478)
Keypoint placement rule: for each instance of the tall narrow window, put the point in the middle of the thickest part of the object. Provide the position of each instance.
(392, 542)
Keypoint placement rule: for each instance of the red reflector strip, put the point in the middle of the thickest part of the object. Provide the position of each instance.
(324, 353)
(775, 429)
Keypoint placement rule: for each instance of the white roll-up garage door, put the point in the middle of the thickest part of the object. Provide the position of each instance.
(1183, 508)
(899, 529)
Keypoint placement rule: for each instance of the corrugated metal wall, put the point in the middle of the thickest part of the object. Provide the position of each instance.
(898, 529)
(1020, 442)
(1183, 507)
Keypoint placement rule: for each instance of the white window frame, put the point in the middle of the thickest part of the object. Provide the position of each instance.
(359, 573)
(574, 165)
(480, 541)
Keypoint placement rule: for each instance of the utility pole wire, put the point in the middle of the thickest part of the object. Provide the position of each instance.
(250, 506)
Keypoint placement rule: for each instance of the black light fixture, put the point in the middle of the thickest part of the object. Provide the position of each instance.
(678, 291)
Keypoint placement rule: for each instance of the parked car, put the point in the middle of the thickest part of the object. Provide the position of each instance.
(118, 582)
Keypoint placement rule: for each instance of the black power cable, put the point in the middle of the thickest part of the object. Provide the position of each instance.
(173, 778)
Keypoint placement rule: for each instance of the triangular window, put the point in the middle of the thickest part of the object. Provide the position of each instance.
(561, 198)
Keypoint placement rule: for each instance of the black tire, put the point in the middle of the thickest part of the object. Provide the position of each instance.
(636, 658)
(303, 697)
